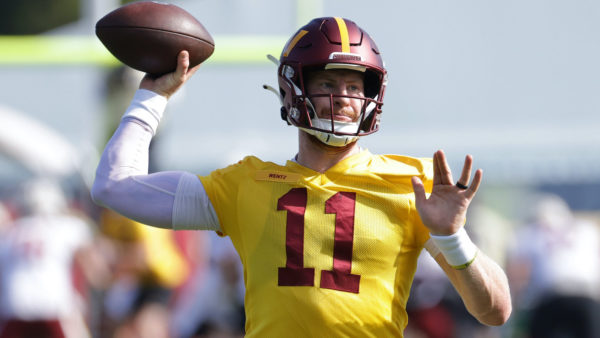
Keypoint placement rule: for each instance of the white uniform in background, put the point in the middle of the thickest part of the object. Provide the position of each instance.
(37, 253)
(36, 261)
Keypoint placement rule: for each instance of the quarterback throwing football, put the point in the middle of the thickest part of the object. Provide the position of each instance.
(329, 241)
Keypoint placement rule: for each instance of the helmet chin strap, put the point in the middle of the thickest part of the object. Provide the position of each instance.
(331, 139)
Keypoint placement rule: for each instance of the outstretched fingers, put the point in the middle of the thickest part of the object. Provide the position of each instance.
(475, 184)
(443, 174)
(441, 169)
(465, 175)
(436, 170)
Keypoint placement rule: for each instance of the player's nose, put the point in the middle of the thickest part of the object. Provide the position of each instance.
(341, 90)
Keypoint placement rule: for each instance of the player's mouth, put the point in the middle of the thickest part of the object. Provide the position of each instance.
(342, 118)
(341, 115)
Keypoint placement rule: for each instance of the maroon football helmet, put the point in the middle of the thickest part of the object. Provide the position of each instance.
(323, 44)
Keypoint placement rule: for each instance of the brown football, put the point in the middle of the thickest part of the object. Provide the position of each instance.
(148, 35)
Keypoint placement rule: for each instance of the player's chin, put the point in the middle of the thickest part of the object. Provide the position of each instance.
(343, 118)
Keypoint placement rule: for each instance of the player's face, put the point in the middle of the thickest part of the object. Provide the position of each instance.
(337, 82)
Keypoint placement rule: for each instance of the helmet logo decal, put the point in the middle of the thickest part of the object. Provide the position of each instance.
(345, 56)
(343, 34)
(294, 41)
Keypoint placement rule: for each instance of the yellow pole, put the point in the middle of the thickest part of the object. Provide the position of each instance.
(70, 50)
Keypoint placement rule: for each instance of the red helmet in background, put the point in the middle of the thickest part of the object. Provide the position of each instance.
(323, 44)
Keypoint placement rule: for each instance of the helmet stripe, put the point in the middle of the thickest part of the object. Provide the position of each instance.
(343, 35)
(294, 41)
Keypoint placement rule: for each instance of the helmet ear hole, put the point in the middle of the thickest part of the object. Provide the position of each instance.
(372, 84)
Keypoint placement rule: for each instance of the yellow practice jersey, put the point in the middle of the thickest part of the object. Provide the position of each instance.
(325, 254)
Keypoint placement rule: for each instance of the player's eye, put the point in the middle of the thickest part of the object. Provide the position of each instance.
(355, 89)
(327, 84)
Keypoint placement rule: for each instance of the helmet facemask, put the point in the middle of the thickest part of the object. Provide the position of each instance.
(331, 44)
(328, 129)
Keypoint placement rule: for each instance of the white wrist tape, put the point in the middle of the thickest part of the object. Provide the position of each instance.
(458, 249)
(147, 107)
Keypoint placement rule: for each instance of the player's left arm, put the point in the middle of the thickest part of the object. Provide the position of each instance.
(481, 283)
(483, 287)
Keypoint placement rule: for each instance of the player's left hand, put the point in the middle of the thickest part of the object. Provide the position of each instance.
(444, 212)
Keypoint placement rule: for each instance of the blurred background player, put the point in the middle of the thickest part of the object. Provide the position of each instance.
(554, 269)
(329, 241)
(38, 253)
(213, 303)
(147, 267)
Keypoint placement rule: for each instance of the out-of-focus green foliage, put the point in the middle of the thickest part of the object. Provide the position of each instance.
(36, 16)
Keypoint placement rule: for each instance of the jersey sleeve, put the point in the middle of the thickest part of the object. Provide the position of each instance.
(192, 209)
(222, 187)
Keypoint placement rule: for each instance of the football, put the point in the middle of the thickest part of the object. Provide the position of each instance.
(149, 35)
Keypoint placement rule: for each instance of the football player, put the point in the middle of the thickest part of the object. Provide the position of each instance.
(329, 240)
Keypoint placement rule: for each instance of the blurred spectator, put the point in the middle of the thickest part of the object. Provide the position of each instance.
(5, 217)
(38, 297)
(434, 307)
(147, 266)
(214, 306)
(492, 232)
(554, 269)
(429, 314)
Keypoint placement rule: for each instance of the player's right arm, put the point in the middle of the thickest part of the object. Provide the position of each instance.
(172, 199)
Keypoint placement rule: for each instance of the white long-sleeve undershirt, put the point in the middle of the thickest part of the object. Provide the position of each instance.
(169, 199)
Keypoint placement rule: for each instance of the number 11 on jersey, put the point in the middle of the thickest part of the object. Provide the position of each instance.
(343, 205)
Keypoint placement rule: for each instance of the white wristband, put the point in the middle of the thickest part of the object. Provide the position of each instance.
(458, 249)
(147, 107)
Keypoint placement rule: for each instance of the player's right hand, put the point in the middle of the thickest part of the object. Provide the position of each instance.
(167, 84)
